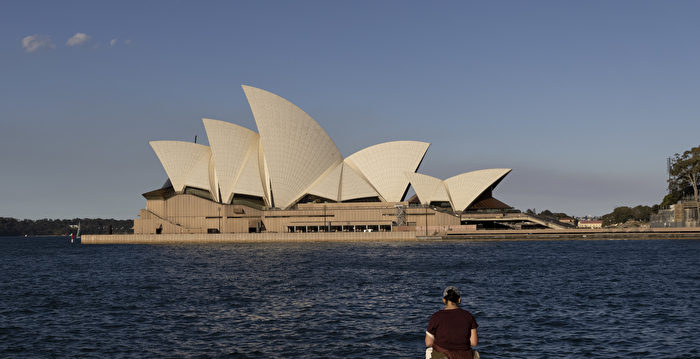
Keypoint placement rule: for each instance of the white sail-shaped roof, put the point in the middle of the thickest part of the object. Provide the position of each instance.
(467, 187)
(213, 183)
(354, 186)
(297, 150)
(384, 166)
(231, 145)
(293, 156)
(428, 188)
(264, 175)
(187, 164)
(329, 184)
(249, 181)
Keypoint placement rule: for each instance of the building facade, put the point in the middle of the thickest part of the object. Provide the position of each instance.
(590, 223)
(290, 177)
(682, 214)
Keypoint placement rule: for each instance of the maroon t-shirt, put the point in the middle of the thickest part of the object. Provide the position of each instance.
(452, 328)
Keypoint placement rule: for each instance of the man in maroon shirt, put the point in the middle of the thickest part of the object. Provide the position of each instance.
(451, 331)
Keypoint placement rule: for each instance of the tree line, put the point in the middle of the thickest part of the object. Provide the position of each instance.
(618, 215)
(548, 214)
(623, 214)
(684, 178)
(61, 227)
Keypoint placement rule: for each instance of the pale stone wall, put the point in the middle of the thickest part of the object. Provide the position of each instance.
(246, 237)
(187, 213)
(445, 229)
(417, 216)
(331, 215)
(191, 214)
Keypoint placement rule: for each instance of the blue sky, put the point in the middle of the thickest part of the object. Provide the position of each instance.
(584, 100)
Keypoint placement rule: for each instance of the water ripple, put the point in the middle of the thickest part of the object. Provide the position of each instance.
(598, 299)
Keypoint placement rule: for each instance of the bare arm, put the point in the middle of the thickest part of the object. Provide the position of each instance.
(473, 338)
(429, 340)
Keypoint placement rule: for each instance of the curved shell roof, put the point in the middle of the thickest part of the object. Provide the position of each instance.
(231, 145)
(250, 180)
(429, 189)
(384, 165)
(187, 164)
(297, 150)
(292, 156)
(467, 187)
(327, 186)
(354, 186)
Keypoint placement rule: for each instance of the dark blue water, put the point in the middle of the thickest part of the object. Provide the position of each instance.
(598, 299)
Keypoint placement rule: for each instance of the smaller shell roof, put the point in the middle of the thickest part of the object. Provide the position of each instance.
(231, 146)
(354, 185)
(327, 185)
(467, 187)
(428, 188)
(186, 163)
(384, 166)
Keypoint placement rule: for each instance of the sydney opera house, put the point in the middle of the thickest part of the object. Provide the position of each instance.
(290, 177)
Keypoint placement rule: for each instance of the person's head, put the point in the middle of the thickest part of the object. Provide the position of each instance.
(451, 294)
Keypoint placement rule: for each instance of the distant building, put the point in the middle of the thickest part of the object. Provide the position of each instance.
(682, 214)
(590, 223)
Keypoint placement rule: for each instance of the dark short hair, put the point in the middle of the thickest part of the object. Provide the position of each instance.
(451, 293)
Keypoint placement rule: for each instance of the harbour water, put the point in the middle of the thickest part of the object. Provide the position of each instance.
(549, 299)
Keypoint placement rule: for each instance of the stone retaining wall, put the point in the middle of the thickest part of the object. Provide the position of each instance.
(479, 235)
(245, 237)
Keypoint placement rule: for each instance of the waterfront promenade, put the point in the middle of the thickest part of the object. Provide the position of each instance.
(477, 235)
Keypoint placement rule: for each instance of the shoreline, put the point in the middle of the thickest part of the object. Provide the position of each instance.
(582, 234)
(476, 236)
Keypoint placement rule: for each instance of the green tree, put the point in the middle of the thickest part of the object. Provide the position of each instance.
(641, 213)
(546, 213)
(618, 215)
(685, 170)
(57, 227)
(554, 215)
(623, 214)
(672, 198)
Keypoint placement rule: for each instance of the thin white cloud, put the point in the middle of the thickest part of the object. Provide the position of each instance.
(78, 39)
(112, 42)
(36, 42)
